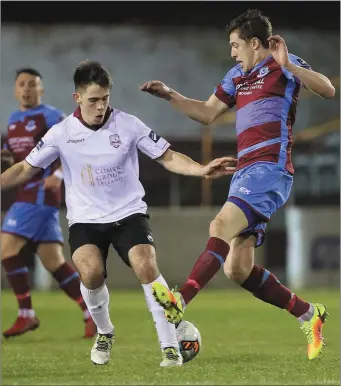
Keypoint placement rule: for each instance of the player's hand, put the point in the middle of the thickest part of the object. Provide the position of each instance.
(156, 88)
(279, 50)
(220, 167)
(52, 183)
(7, 156)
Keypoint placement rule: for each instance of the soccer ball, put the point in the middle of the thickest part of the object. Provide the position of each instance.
(189, 339)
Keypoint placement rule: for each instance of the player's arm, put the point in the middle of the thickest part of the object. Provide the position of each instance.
(17, 174)
(312, 80)
(205, 112)
(157, 148)
(181, 164)
(39, 158)
(54, 181)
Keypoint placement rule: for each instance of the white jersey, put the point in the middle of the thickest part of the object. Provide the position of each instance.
(101, 169)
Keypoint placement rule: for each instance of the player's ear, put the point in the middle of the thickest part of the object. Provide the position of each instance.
(76, 97)
(255, 43)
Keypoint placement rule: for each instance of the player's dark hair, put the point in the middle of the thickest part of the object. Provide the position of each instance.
(89, 72)
(252, 24)
(27, 70)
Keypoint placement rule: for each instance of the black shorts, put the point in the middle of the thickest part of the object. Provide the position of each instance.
(123, 235)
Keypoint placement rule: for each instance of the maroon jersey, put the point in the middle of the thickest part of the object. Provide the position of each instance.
(265, 100)
(25, 129)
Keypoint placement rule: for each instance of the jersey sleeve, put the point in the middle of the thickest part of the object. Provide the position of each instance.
(226, 90)
(53, 117)
(298, 62)
(44, 153)
(149, 142)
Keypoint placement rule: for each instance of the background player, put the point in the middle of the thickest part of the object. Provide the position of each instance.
(33, 220)
(98, 147)
(264, 87)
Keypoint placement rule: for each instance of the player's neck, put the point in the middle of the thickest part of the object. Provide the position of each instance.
(27, 108)
(261, 56)
(78, 114)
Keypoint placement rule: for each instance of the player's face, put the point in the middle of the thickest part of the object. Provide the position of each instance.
(93, 102)
(28, 90)
(242, 51)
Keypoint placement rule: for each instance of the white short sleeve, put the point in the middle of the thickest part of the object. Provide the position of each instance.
(149, 142)
(44, 153)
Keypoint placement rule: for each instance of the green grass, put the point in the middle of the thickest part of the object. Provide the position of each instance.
(245, 342)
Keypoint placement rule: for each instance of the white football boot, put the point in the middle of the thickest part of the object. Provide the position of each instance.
(171, 357)
(101, 350)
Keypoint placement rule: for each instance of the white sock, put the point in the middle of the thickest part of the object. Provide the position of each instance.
(307, 316)
(26, 313)
(166, 331)
(86, 314)
(97, 301)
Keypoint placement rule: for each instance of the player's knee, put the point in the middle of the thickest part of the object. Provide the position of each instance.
(236, 271)
(91, 273)
(218, 224)
(220, 228)
(10, 245)
(143, 261)
(51, 255)
(92, 280)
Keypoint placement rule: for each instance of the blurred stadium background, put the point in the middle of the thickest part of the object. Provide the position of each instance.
(184, 45)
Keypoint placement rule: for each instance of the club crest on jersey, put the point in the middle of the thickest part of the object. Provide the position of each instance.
(153, 136)
(115, 141)
(31, 126)
(263, 71)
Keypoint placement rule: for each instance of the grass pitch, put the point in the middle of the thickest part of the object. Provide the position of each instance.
(245, 342)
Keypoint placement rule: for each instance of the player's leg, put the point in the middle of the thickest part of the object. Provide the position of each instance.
(252, 184)
(51, 255)
(228, 223)
(143, 261)
(50, 240)
(89, 248)
(240, 268)
(255, 194)
(18, 227)
(134, 243)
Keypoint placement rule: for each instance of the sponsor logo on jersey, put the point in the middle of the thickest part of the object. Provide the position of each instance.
(115, 141)
(87, 175)
(75, 140)
(153, 136)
